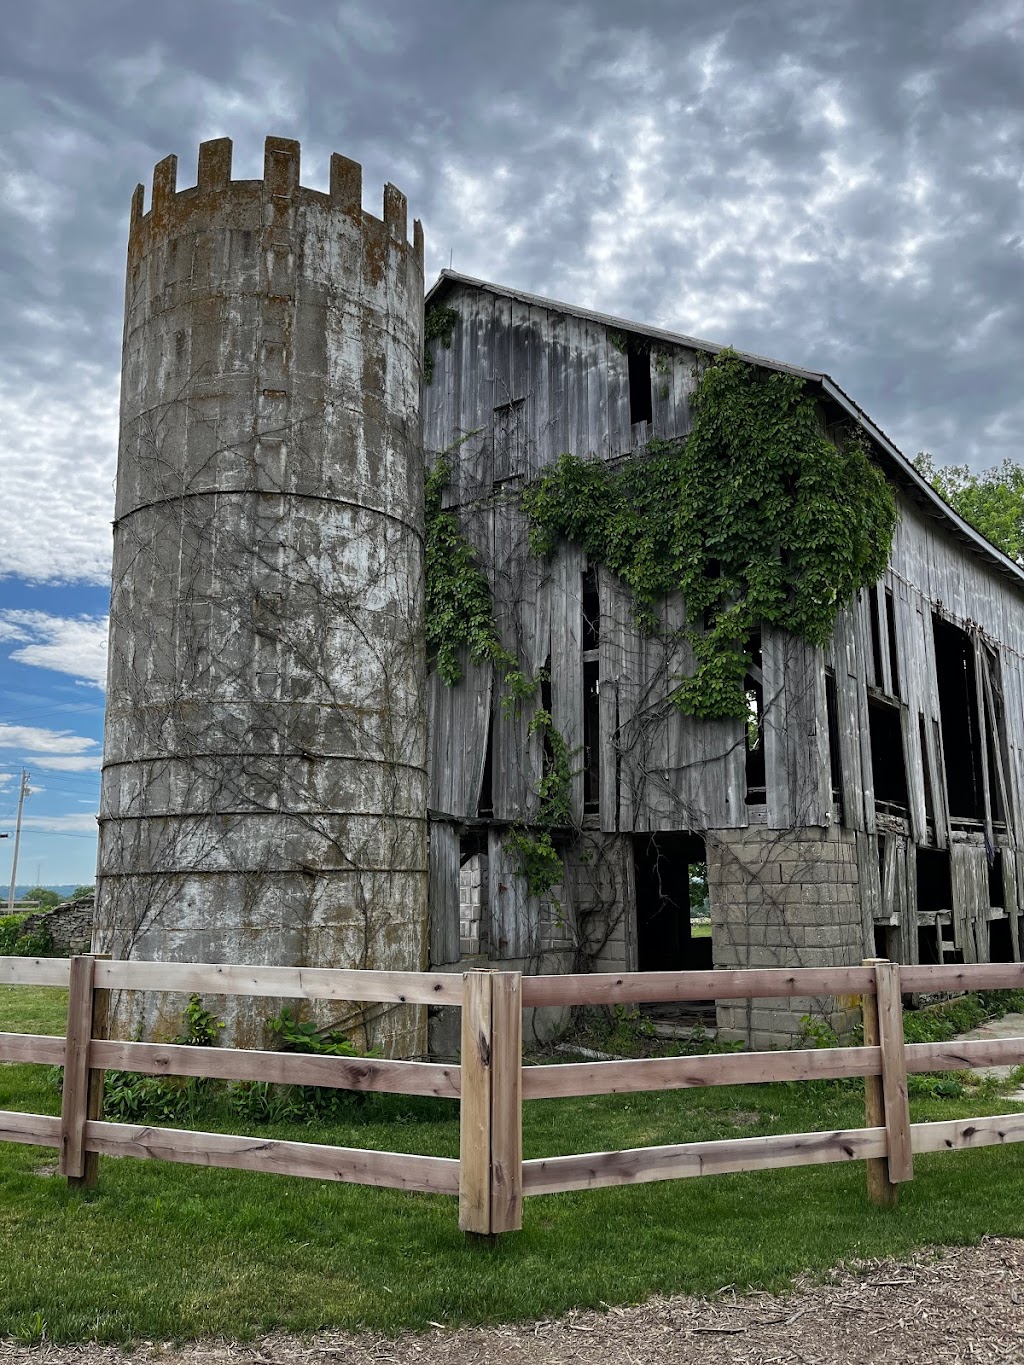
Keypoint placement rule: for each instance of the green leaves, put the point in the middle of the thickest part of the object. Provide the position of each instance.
(757, 518)
(992, 501)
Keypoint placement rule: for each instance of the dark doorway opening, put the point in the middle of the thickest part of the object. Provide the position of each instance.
(667, 939)
(958, 707)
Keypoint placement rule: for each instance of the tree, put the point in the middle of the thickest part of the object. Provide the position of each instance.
(992, 500)
(82, 891)
(43, 897)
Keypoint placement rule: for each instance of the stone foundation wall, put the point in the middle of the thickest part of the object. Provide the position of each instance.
(69, 926)
(784, 899)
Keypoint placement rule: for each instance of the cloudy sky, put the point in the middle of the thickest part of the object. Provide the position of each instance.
(837, 185)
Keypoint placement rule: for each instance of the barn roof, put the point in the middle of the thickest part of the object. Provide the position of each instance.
(892, 459)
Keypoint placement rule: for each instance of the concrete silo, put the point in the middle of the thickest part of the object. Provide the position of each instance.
(264, 788)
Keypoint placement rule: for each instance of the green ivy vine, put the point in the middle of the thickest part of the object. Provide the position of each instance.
(757, 517)
(438, 325)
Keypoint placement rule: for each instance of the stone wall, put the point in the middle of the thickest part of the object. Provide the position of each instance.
(69, 925)
(784, 899)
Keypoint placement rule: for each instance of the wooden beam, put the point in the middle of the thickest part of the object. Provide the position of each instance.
(881, 1189)
(475, 1109)
(957, 1135)
(294, 983)
(678, 1073)
(894, 1072)
(964, 1053)
(38, 1130)
(639, 1165)
(395, 1170)
(46, 1049)
(278, 1068)
(607, 988)
(34, 971)
(506, 1102)
(981, 976)
(75, 1096)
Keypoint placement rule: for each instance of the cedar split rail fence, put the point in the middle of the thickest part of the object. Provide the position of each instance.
(490, 1176)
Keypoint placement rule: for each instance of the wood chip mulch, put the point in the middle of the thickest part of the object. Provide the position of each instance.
(963, 1304)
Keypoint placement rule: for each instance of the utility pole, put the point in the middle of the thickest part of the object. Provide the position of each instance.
(17, 839)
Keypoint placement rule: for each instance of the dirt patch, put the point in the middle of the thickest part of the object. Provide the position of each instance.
(964, 1304)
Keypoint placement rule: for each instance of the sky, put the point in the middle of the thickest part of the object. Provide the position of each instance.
(838, 186)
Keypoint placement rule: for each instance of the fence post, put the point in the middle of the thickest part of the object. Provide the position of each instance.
(886, 1103)
(94, 1101)
(475, 1105)
(74, 1103)
(895, 1095)
(506, 1102)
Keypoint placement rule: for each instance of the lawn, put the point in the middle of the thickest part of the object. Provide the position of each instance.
(166, 1251)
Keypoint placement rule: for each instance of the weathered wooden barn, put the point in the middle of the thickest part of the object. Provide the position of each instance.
(873, 804)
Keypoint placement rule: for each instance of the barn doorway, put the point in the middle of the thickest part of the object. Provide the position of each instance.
(673, 924)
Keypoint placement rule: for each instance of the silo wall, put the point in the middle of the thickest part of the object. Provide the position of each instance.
(264, 782)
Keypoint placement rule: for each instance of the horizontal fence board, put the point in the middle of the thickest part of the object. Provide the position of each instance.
(294, 983)
(40, 1130)
(32, 1047)
(964, 1053)
(954, 1135)
(396, 1170)
(277, 1068)
(981, 976)
(677, 1073)
(639, 1165)
(35, 971)
(607, 988)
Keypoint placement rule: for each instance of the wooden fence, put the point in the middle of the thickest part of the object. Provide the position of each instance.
(490, 1176)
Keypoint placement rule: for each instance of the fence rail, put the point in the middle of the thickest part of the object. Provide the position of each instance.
(490, 1176)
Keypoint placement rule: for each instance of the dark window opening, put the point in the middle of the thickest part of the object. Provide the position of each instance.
(545, 703)
(754, 738)
(640, 404)
(1000, 940)
(876, 637)
(486, 804)
(890, 617)
(591, 610)
(881, 940)
(929, 807)
(835, 761)
(934, 880)
(666, 867)
(958, 707)
(591, 738)
(996, 893)
(887, 765)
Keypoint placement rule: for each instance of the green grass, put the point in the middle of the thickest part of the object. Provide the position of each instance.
(165, 1251)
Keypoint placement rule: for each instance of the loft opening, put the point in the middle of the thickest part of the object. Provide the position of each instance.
(958, 709)
(887, 764)
(641, 405)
